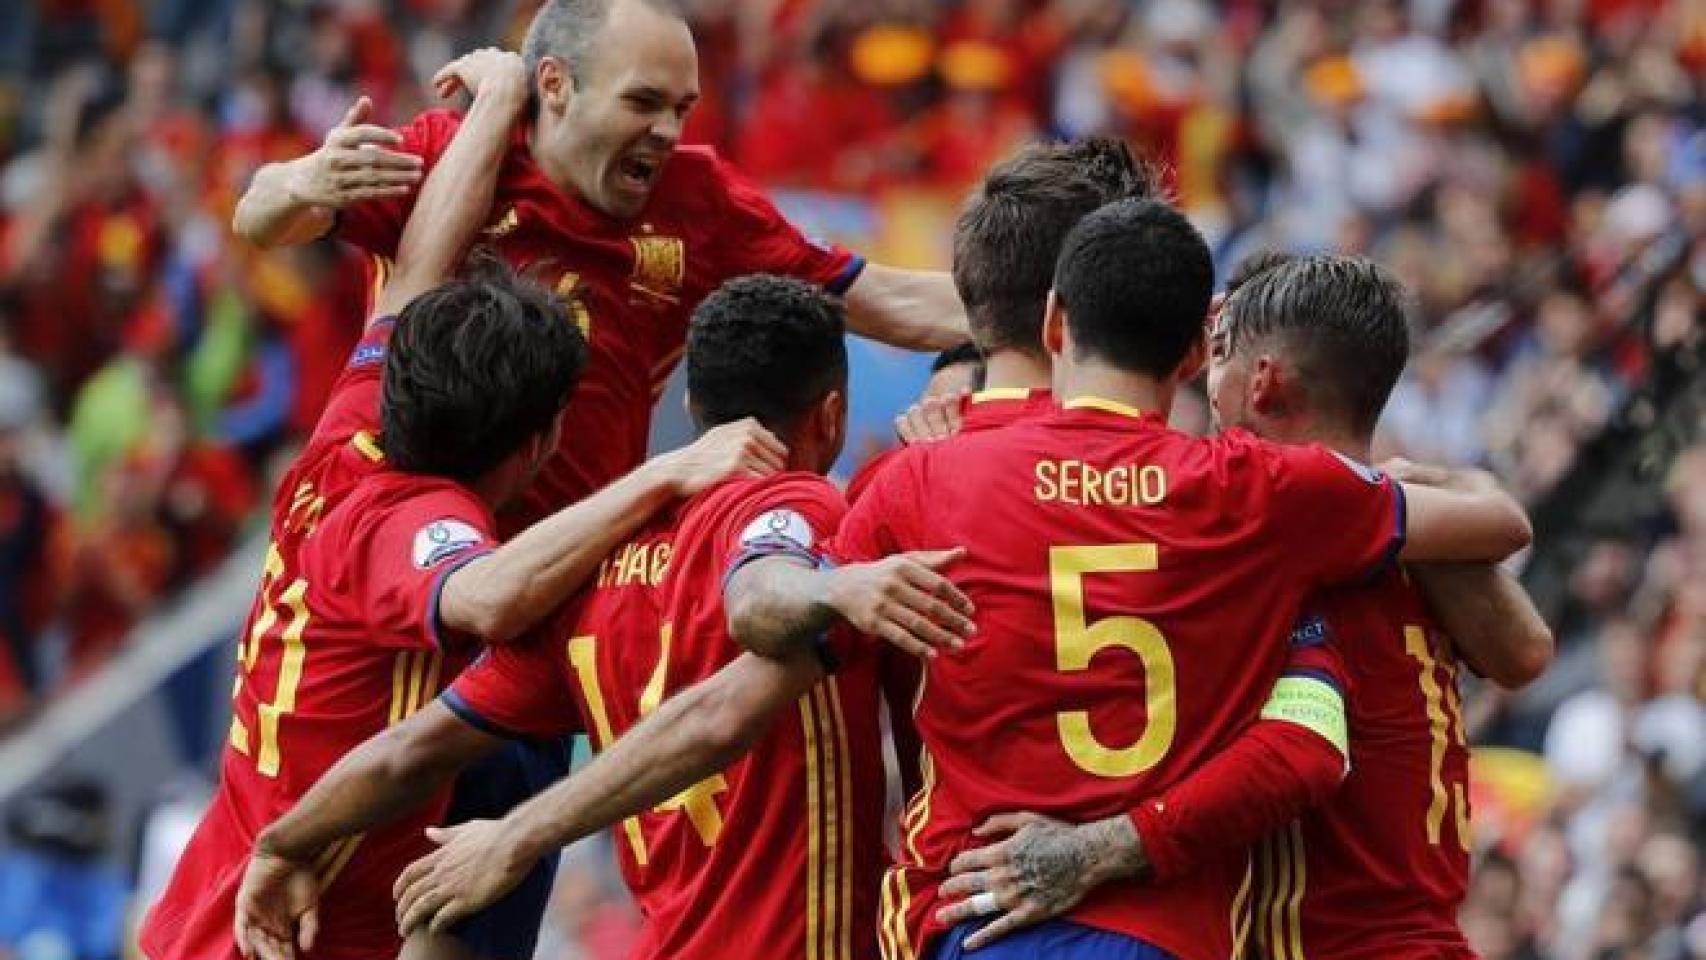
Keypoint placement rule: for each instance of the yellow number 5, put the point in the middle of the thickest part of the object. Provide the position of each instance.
(1077, 641)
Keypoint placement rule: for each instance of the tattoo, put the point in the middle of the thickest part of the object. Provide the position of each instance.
(1056, 864)
(779, 609)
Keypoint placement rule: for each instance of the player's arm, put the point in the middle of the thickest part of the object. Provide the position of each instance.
(295, 201)
(1292, 759)
(1460, 515)
(915, 309)
(1491, 620)
(502, 594)
(778, 605)
(371, 785)
(458, 193)
(690, 736)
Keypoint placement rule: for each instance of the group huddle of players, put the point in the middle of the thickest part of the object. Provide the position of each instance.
(1150, 695)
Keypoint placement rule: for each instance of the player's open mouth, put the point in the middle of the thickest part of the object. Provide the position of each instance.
(637, 173)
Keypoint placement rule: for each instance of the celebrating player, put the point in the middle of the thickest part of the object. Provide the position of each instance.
(595, 191)
(1268, 372)
(1310, 354)
(383, 571)
(1133, 603)
(781, 850)
(1006, 241)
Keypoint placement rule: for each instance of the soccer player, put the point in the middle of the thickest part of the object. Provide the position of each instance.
(1006, 241)
(383, 571)
(1134, 600)
(1310, 354)
(595, 192)
(780, 852)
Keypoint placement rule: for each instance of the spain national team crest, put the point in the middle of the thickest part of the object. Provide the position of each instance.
(660, 266)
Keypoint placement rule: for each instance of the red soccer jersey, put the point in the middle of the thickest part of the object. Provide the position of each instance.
(637, 281)
(342, 641)
(1394, 841)
(1134, 588)
(782, 849)
(984, 410)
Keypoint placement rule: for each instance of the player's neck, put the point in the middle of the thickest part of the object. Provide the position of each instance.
(1138, 390)
(1016, 370)
(1351, 443)
(556, 168)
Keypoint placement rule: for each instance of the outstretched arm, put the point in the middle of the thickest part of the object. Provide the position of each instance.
(777, 605)
(1491, 620)
(691, 736)
(1459, 515)
(295, 201)
(499, 596)
(373, 784)
(915, 309)
(457, 196)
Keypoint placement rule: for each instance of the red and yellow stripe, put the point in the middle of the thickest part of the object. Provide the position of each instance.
(1279, 904)
(829, 825)
(414, 681)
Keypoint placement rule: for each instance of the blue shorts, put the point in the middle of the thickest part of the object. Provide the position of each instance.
(1049, 940)
(509, 929)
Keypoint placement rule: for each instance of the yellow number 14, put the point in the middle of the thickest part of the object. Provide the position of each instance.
(698, 802)
(1445, 724)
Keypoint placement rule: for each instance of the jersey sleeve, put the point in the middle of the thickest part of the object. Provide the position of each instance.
(1292, 759)
(517, 691)
(1338, 520)
(377, 225)
(757, 238)
(354, 402)
(410, 550)
(790, 518)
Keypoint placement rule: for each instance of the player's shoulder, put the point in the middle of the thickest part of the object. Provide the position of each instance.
(1385, 601)
(788, 487)
(388, 496)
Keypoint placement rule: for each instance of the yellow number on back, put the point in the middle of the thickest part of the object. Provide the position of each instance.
(294, 598)
(1445, 724)
(698, 801)
(1077, 641)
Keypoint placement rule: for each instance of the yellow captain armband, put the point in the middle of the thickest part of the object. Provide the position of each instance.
(1313, 704)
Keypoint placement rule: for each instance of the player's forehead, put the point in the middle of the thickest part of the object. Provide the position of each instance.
(642, 48)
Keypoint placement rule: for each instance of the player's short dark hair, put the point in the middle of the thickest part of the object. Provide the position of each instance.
(475, 368)
(1254, 266)
(1135, 280)
(1340, 321)
(1009, 234)
(966, 353)
(568, 29)
(766, 347)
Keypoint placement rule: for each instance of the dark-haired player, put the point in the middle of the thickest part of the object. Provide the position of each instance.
(1006, 241)
(594, 191)
(1134, 598)
(383, 573)
(779, 853)
(1309, 354)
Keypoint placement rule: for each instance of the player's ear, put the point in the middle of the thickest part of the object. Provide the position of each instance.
(1196, 359)
(1054, 326)
(1267, 386)
(832, 420)
(553, 84)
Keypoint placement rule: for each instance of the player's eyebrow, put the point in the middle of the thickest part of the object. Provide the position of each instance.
(660, 95)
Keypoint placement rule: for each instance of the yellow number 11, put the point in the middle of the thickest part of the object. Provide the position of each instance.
(1445, 724)
(294, 598)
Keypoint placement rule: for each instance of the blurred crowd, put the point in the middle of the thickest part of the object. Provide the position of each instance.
(1535, 170)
